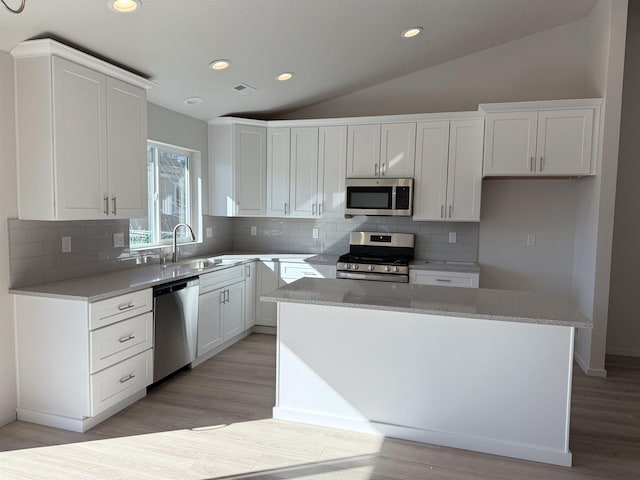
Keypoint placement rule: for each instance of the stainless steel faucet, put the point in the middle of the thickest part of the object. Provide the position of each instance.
(174, 255)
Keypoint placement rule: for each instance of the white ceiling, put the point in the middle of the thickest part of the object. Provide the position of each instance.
(333, 46)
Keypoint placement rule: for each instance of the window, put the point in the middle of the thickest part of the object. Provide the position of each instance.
(170, 174)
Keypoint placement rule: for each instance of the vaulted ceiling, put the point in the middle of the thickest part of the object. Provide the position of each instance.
(333, 47)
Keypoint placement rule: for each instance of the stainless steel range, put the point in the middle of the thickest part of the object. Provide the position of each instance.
(378, 256)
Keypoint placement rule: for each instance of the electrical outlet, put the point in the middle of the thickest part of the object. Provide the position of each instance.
(531, 240)
(66, 244)
(254, 230)
(315, 233)
(118, 239)
(453, 238)
(209, 232)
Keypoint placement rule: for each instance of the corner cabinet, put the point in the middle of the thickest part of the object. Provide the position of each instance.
(448, 176)
(237, 167)
(82, 126)
(557, 138)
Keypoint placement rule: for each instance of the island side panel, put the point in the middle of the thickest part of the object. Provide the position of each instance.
(493, 386)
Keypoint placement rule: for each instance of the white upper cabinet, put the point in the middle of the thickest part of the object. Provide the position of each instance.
(82, 132)
(448, 170)
(303, 184)
(386, 150)
(332, 158)
(306, 171)
(237, 168)
(541, 138)
(278, 165)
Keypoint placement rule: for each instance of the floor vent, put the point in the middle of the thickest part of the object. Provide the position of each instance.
(244, 89)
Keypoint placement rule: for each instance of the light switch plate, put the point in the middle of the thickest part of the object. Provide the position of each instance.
(209, 232)
(315, 233)
(66, 244)
(254, 230)
(531, 240)
(118, 239)
(453, 237)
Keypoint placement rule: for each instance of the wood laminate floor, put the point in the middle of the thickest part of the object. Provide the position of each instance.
(214, 422)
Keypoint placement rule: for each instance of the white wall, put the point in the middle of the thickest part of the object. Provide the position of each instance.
(594, 222)
(174, 128)
(548, 65)
(623, 333)
(8, 209)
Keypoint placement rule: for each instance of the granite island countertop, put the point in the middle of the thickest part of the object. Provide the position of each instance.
(481, 303)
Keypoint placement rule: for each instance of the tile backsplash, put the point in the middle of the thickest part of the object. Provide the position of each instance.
(36, 254)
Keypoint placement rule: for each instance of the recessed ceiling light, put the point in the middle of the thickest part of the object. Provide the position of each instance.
(193, 100)
(219, 64)
(412, 32)
(124, 6)
(285, 76)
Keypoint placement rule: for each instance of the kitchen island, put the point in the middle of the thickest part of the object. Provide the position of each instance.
(479, 369)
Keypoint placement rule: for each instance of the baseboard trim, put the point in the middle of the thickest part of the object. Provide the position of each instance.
(625, 352)
(77, 424)
(8, 418)
(264, 329)
(592, 372)
(466, 442)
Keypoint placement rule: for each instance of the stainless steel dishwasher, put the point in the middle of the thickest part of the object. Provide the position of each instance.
(175, 312)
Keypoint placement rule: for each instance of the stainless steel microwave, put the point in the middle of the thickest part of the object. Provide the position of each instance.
(379, 196)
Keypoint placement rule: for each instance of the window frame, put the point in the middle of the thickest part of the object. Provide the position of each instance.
(193, 214)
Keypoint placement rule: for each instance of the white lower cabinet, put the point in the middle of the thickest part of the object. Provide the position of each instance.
(267, 273)
(444, 279)
(79, 362)
(221, 308)
(292, 271)
(250, 284)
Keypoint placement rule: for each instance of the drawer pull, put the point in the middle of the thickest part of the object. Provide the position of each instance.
(126, 307)
(127, 338)
(127, 378)
(446, 280)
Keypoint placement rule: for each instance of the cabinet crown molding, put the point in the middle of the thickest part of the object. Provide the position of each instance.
(48, 47)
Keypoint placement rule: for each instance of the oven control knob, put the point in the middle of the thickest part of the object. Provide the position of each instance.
(387, 268)
(355, 266)
(347, 266)
(372, 267)
(396, 269)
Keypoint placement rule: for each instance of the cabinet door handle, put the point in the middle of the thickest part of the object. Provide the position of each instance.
(319, 209)
(222, 297)
(247, 270)
(226, 296)
(531, 164)
(383, 169)
(450, 210)
(285, 208)
(106, 204)
(127, 338)
(375, 169)
(445, 280)
(541, 163)
(313, 209)
(127, 378)
(113, 199)
(126, 307)
(441, 211)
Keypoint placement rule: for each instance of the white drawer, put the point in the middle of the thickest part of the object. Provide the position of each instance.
(112, 310)
(120, 381)
(444, 279)
(221, 278)
(116, 342)
(290, 272)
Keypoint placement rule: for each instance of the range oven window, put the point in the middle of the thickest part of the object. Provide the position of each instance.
(370, 197)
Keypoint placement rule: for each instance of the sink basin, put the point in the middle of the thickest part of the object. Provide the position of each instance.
(192, 264)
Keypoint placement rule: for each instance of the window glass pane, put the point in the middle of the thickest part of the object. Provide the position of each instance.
(173, 191)
(169, 197)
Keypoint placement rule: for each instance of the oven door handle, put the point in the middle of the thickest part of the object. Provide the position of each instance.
(380, 277)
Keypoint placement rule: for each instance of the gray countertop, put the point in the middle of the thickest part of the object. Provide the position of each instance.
(481, 303)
